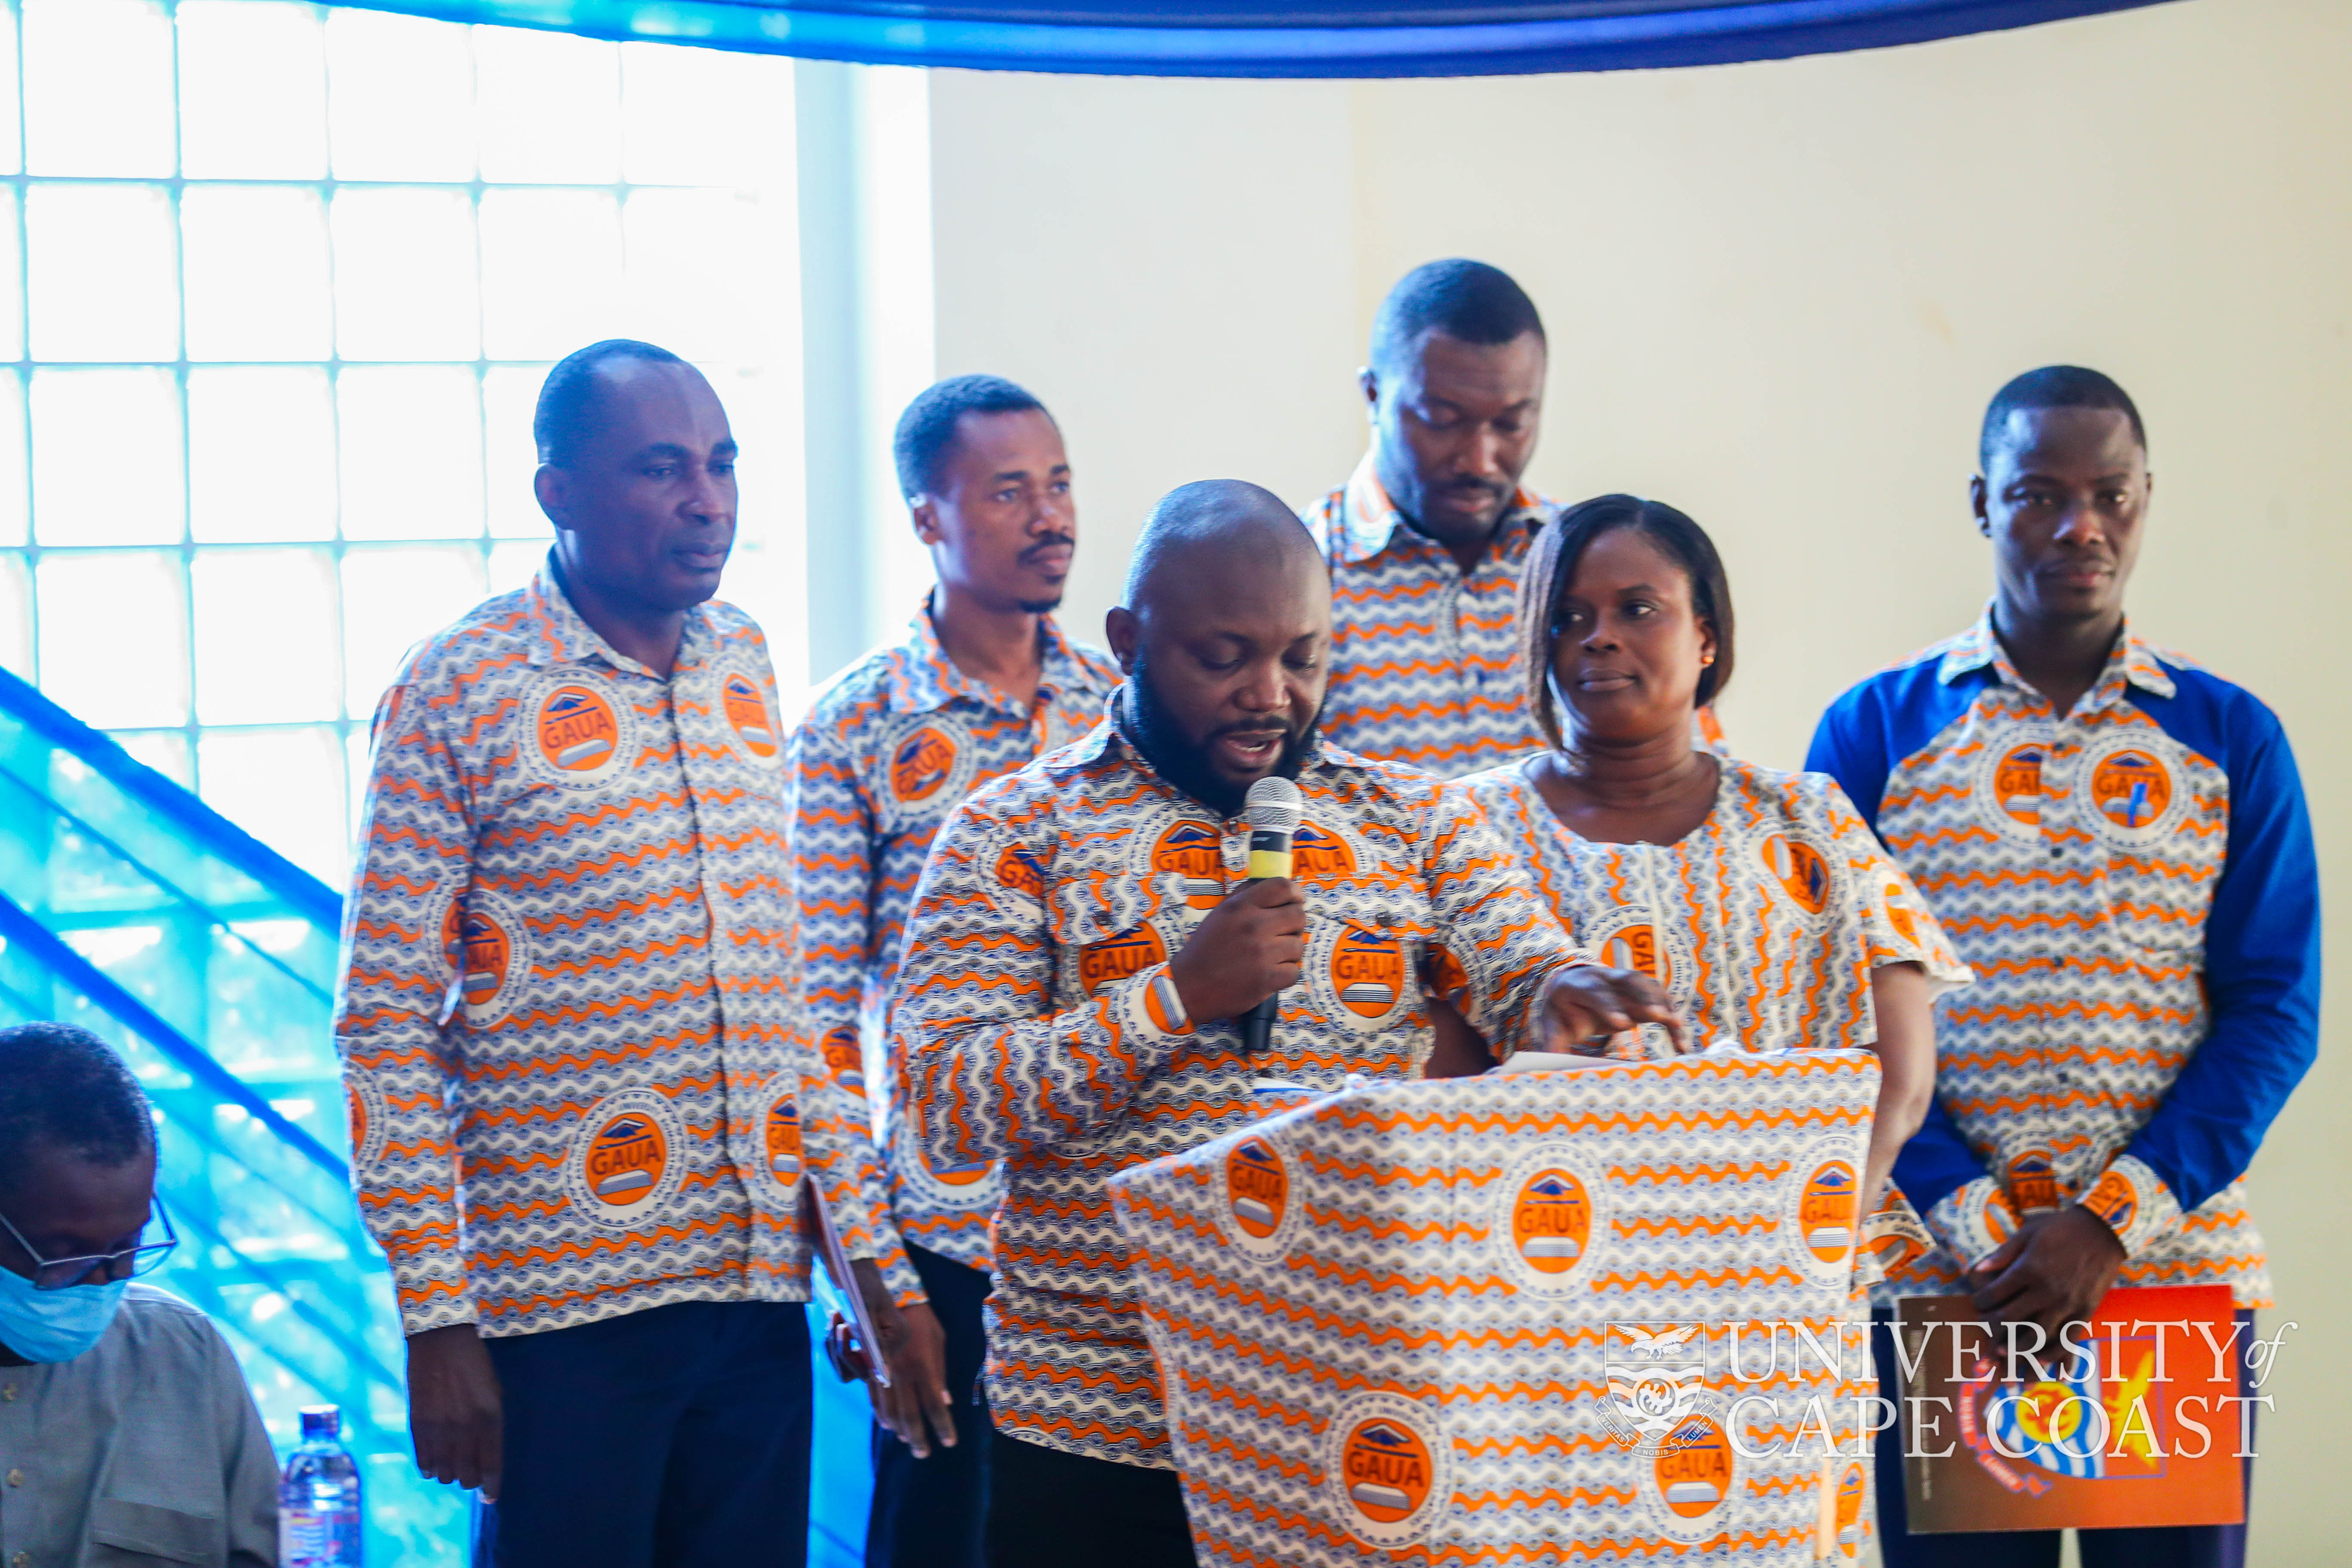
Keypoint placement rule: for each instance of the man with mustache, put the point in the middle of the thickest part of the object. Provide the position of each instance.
(1427, 539)
(985, 683)
(586, 1108)
(1084, 940)
(2115, 841)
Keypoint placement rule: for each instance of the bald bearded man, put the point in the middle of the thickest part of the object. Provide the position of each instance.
(1084, 940)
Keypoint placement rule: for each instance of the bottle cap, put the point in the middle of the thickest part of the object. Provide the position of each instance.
(321, 1421)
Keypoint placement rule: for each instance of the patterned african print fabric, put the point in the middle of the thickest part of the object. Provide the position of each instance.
(2135, 886)
(1763, 924)
(888, 751)
(1424, 660)
(581, 1081)
(1035, 1033)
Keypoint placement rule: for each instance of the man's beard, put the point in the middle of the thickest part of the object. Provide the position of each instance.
(1040, 607)
(1183, 762)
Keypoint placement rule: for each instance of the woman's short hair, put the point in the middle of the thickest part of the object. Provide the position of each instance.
(1552, 567)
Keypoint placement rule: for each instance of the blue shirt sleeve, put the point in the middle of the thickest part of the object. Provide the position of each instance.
(2262, 952)
(1852, 751)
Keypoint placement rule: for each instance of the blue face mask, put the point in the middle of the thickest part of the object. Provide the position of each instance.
(54, 1325)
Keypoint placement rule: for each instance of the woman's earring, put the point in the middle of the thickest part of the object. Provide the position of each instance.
(1707, 658)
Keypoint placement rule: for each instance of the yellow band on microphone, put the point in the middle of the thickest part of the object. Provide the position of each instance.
(1268, 863)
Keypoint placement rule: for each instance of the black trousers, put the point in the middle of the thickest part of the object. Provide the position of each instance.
(927, 1513)
(2174, 1546)
(1051, 1510)
(674, 1438)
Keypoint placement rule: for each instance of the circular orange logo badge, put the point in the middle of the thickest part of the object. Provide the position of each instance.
(1321, 853)
(1193, 851)
(1551, 1221)
(1799, 868)
(1388, 1468)
(962, 1175)
(627, 1157)
(921, 765)
(1825, 1214)
(486, 950)
(578, 730)
(2113, 1200)
(2033, 1182)
(784, 1142)
(1693, 1468)
(1258, 1188)
(1634, 947)
(360, 1120)
(746, 710)
(2017, 784)
(1367, 971)
(2131, 789)
(845, 1059)
(1115, 958)
(1017, 870)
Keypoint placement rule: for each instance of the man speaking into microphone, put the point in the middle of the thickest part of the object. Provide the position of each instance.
(1086, 940)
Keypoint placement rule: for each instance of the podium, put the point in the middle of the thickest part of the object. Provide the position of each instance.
(1585, 1316)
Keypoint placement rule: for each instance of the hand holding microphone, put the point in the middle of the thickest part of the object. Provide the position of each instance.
(1252, 945)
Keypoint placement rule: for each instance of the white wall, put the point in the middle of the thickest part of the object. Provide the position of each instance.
(1778, 296)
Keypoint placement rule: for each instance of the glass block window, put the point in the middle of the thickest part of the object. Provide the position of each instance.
(277, 287)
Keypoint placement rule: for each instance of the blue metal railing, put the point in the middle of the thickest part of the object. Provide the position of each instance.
(207, 959)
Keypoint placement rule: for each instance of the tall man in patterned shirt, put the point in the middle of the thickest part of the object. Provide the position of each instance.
(2115, 841)
(1082, 939)
(985, 682)
(1427, 539)
(586, 1100)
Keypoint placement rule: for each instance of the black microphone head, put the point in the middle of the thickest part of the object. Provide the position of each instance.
(1273, 805)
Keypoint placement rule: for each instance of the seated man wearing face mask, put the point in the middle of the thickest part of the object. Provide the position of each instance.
(126, 1430)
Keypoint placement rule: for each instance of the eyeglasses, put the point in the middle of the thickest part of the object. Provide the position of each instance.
(64, 1273)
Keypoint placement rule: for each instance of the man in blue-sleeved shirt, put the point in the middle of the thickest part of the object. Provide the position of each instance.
(2115, 841)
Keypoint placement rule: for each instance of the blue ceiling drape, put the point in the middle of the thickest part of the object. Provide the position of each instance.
(1263, 39)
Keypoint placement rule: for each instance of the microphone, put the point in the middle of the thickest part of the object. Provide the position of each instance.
(1274, 808)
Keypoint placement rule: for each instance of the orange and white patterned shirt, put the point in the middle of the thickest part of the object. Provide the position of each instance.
(581, 1079)
(1763, 922)
(1425, 658)
(1038, 1030)
(886, 754)
(2135, 882)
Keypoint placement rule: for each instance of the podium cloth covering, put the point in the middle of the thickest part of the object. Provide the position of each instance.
(1498, 1319)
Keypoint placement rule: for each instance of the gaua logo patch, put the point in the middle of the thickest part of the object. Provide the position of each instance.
(1193, 854)
(922, 764)
(628, 1159)
(1258, 1187)
(1551, 1221)
(1367, 971)
(578, 731)
(1799, 867)
(1116, 958)
(1317, 853)
(1384, 1468)
(746, 707)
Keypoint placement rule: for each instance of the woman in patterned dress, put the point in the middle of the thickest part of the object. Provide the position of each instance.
(1759, 900)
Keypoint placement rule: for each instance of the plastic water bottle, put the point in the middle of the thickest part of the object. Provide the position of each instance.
(319, 1497)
